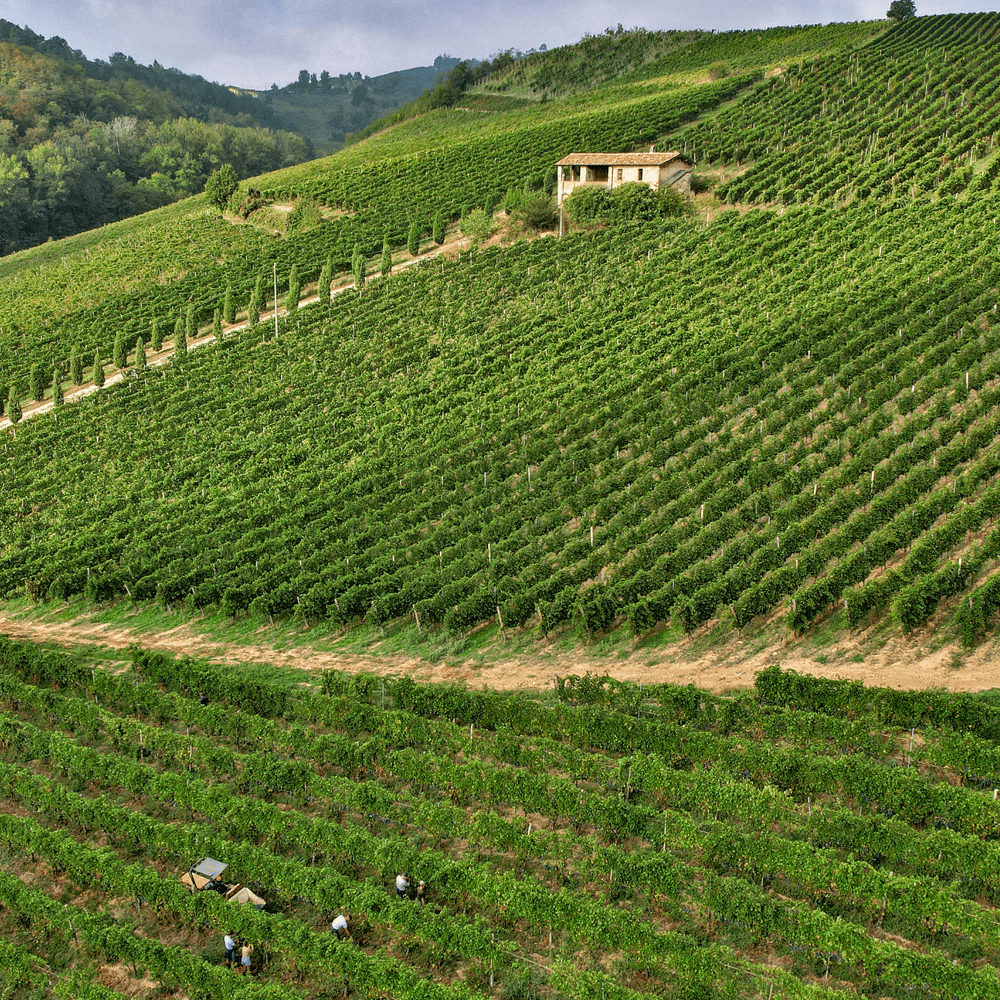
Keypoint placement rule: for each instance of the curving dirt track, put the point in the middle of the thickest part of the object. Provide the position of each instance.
(901, 663)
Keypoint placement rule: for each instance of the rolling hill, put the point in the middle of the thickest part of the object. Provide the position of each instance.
(771, 421)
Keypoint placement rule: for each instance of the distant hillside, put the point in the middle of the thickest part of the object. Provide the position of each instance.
(325, 109)
(194, 96)
(78, 151)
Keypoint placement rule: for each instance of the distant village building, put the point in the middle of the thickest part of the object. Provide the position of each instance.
(609, 170)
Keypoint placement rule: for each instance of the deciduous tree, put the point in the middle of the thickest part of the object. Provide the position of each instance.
(221, 186)
(900, 10)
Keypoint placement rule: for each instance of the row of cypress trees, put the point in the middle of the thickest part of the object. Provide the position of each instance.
(187, 328)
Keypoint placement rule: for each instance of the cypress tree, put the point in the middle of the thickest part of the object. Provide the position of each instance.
(217, 324)
(413, 239)
(57, 389)
(325, 280)
(180, 337)
(438, 228)
(294, 290)
(155, 339)
(14, 406)
(386, 262)
(75, 367)
(229, 306)
(191, 327)
(3, 398)
(97, 375)
(140, 352)
(358, 267)
(119, 356)
(36, 387)
(253, 309)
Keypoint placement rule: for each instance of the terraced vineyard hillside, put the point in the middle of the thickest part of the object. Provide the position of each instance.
(787, 410)
(611, 841)
(773, 419)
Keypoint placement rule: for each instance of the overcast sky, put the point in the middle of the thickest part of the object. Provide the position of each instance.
(254, 43)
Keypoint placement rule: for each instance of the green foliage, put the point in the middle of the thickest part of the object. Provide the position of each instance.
(477, 226)
(75, 367)
(229, 306)
(97, 369)
(57, 389)
(257, 300)
(629, 203)
(119, 355)
(537, 210)
(180, 338)
(437, 227)
(294, 290)
(155, 337)
(304, 216)
(217, 324)
(901, 10)
(221, 186)
(14, 406)
(413, 239)
(36, 383)
(325, 280)
(358, 268)
(92, 151)
(190, 323)
(385, 264)
(140, 353)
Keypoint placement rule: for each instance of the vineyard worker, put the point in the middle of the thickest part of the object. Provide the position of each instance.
(422, 893)
(341, 926)
(402, 884)
(230, 943)
(247, 958)
(203, 700)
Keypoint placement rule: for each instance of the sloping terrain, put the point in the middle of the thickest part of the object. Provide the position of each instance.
(788, 410)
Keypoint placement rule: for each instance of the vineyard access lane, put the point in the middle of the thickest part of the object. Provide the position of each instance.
(901, 663)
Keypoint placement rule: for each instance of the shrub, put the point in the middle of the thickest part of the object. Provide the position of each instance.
(413, 239)
(477, 226)
(538, 211)
(221, 185)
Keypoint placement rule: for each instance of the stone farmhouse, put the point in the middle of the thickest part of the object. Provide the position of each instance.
(608, 170)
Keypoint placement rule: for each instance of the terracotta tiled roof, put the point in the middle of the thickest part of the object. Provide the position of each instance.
(619, 159)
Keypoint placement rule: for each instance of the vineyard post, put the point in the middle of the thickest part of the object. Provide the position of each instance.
(503, 634)
(909, 755)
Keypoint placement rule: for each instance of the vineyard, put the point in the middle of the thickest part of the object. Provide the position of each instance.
(600, 840)
(777, 415)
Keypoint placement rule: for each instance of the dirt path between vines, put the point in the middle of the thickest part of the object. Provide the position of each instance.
(901, 663)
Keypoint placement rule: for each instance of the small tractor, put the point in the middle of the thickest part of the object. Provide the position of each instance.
(207, 875)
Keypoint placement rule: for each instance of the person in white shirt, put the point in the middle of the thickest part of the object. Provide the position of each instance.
(230, 945)
(341, 926)
(402, 884)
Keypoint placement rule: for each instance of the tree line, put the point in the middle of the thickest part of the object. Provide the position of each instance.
(77, 153)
